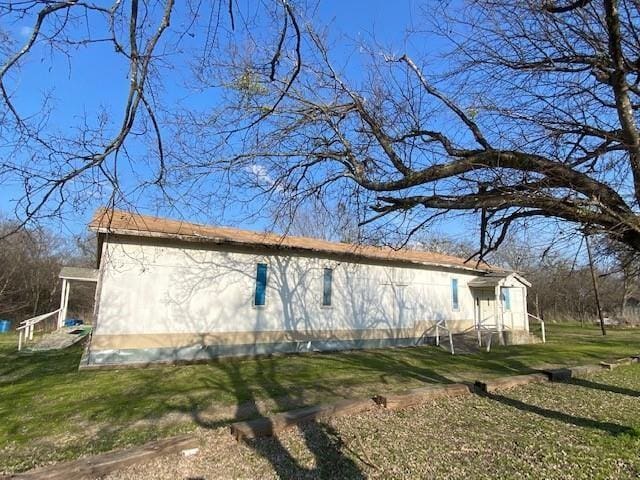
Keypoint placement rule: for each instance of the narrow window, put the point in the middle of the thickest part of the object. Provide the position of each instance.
(326, 287)
(454, 294)
(261, 285)
(506, 298)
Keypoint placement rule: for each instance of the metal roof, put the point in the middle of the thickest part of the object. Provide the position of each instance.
(126, 223)
(493, 279)
(79, 273)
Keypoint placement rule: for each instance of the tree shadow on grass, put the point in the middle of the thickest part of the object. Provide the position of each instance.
(427, 365)
(385, 364)
(608, 427)
(604, 387)
(321, 440)
(18, 367)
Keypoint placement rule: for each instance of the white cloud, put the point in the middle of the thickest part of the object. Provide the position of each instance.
(261, 174)
(26, 31)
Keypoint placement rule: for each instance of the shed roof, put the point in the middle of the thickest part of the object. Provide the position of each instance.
(79, 273)
(132, 224)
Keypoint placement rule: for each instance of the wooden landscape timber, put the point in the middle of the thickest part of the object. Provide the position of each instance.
(268, 426)
(421, 395)
(504, 383)
(565, 374)
(100, 465)
(617, 363)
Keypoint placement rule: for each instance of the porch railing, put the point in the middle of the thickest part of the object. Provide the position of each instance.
(542, 329)
(490, 326)
(25, 330)
(442, 325)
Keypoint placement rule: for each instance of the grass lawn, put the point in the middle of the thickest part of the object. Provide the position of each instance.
(51, 411)
(587, 429)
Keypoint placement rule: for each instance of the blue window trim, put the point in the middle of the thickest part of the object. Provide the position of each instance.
(260, 296)
(327, 283)
(506, 297)
(455, 301)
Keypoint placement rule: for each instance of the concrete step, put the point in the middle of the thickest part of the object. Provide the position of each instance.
(463, 343)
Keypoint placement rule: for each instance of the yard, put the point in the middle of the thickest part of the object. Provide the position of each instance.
(584, 430)
(50, 411)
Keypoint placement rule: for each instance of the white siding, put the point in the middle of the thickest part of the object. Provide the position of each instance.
(153, 288)
(516, 318)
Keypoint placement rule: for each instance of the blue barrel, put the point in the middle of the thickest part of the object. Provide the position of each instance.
(5, 325)
(72, 322)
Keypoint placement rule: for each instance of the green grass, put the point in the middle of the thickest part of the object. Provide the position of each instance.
(586, 429)
(52, 411)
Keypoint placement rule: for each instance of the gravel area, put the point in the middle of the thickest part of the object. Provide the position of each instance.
(587, 429)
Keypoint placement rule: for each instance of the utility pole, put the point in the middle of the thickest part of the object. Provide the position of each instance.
(595, 284)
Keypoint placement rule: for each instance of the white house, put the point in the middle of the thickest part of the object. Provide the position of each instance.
(174, 291)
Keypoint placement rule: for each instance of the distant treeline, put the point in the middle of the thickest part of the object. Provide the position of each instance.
(30, 262)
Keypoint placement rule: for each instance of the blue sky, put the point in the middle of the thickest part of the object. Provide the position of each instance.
(92, 79)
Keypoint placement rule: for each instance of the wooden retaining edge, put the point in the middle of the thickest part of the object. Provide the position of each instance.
(267, 426)
(100, 465)
(619, 362)
(421, 395)
(567, 373)
(504, 383)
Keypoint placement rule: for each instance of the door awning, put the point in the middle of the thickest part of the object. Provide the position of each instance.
(494, 279)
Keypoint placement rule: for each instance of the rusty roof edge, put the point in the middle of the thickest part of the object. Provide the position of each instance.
(104, 221)
(199, 238)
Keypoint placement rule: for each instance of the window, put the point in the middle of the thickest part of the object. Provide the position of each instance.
(327, 279)
(261, 285)
(506, 298)
(454, 294)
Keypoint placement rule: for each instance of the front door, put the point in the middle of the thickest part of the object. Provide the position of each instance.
(486, 308)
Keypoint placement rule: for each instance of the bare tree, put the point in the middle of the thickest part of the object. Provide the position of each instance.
(623, 263)
(537, 118)
(315, 219)
(64, 167)
(30, 262)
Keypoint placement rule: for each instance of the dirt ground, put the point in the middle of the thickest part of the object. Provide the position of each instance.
(587, 429)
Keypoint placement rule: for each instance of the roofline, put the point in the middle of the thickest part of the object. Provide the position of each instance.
(74, 274)
(79, 279)
(521, 279)
(219, 235)
(223, 241)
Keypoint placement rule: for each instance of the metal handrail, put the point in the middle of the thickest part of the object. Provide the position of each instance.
(496, 327)
(443, 324)
(27, 327)
(544, 336)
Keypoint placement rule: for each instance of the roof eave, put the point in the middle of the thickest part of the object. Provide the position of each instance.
(226, 241)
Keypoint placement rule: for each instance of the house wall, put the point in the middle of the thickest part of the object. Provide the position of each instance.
(164, 301)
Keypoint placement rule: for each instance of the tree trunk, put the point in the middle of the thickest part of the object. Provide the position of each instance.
(595, 285)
